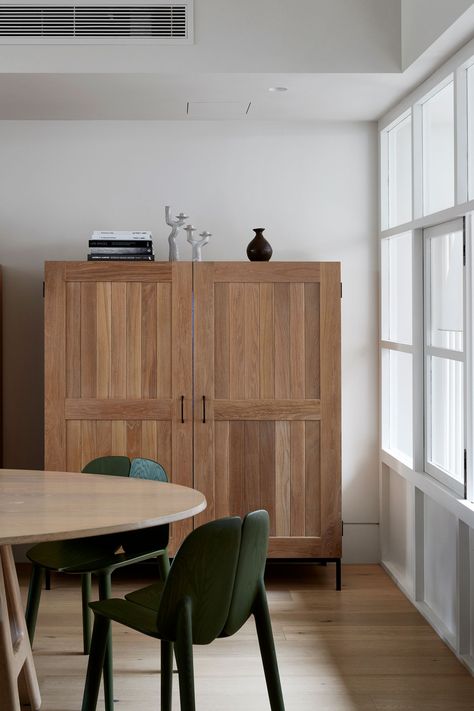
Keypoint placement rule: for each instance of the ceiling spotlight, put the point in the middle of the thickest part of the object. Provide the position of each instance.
(278, 88)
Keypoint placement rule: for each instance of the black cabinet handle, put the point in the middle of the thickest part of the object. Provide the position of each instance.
(203, 409)
(182, 409)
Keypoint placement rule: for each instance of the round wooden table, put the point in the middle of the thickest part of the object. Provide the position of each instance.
(47, 506)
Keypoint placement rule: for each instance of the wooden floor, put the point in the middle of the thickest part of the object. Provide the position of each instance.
(365, 648)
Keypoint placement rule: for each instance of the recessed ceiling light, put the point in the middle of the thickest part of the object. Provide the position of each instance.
(278, 88)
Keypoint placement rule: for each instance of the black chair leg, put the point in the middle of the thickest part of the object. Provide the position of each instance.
(164, 565)
(184, 658)
(105, 592)
(95, 665)
(86, 584)
(267, 650)
(47, 581)
(166, 675)
(34, 596)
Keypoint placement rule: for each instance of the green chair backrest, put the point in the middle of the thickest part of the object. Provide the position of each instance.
(203, 571)
(250, 569)
(147, 469)
(115, 465)
(149, 538)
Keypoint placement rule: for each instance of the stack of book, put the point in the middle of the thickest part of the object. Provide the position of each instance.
(120, 245)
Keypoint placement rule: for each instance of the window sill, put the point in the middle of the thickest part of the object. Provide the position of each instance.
(462, 509)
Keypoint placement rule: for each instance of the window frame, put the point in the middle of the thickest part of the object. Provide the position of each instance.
(430, 351)
(457, 66)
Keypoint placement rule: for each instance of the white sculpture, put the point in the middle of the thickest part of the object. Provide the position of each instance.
(175, 224)
(197, 244)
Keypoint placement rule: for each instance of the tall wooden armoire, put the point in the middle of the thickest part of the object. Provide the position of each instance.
(228, 373)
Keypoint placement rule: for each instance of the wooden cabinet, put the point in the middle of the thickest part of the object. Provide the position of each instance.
(226, 372)
(118, 366)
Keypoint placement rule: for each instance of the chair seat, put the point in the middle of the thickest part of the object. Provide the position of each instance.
(140, 618)
(66, 556)
(147, 597)
(79, 556)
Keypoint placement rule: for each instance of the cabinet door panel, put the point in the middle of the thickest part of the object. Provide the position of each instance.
(118, 360)
(265, 338)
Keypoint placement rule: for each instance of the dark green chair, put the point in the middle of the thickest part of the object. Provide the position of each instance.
(214, 585)
(99, 555)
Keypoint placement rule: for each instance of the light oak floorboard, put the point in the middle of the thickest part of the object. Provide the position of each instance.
(363, 649)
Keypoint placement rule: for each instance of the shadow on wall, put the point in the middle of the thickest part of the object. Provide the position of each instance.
(23, 368)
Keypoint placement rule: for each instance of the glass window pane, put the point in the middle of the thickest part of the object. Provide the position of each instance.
(399, 173)
(438, 151)
(397, 288)
(397, 404)
(446, 297)
(445, 416)
(470, 90)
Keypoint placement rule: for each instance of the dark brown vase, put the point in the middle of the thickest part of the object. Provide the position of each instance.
(259, 250)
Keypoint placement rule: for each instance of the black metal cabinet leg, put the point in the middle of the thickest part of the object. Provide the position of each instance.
(338, 574)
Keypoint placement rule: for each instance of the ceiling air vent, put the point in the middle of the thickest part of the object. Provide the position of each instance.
(159, 22)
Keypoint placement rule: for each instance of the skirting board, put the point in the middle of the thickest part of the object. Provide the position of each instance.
(432, 619)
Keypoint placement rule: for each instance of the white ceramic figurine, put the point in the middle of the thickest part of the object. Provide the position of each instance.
(197, 244)
(178, 222)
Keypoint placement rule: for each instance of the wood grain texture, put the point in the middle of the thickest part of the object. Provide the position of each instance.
(182, 386)
(128, 335)
(118, 374)
(282, 341)
(266, 336)
(73, 340)
(297, 479)
(115, 271)
(282, 479)
(267, 472)
(204, 369)
(251, 341)
(134, 341)
(149, 336)
(73, 446)
(55, 366)
(267, 350)
(130, 409)
(236, 467)
(88, 340)
(366, 649)
(48, 506)
(222, 320)
(222, 456)
(267, 341)
(331, 407)
(164, 340)
(312, 340)
(267, 409)
(297, 340)
(119, 438)
(237, 341)
(313, 496)
(251, 471)
(270, 272)
(104, 339)
(18, 681)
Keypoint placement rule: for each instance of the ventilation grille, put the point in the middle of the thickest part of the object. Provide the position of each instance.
(111, 21)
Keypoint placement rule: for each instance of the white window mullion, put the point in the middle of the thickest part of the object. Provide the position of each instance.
(417, 161)
(461, 135)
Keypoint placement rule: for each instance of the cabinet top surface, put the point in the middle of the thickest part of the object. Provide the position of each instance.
(45, 506)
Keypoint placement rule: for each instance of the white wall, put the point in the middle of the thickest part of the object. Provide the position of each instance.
(423, 21)
(313, 186)
(245, 36)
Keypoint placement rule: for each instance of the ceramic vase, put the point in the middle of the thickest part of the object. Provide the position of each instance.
(259, 250)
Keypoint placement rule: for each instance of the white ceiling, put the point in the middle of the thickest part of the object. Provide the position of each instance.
(207, 96)
(336, 97)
